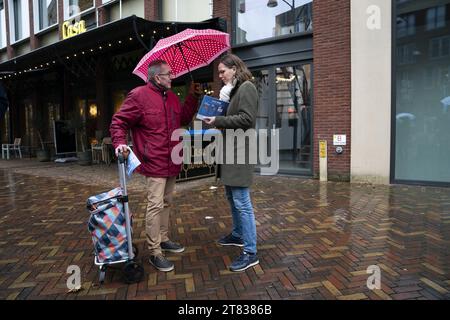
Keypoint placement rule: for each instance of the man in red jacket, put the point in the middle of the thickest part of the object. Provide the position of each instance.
(153, 112)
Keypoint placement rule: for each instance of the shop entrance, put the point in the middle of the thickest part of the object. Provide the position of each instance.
(285, 93)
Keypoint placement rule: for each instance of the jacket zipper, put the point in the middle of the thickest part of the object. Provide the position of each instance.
(145, 152)
(167, 125)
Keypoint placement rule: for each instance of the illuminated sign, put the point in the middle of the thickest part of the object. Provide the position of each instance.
(70, 30)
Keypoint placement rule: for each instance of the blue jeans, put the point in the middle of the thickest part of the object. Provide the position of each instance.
(244, 225)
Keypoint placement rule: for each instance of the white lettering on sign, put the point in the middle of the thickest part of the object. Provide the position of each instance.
(374, 19)
(374, 281)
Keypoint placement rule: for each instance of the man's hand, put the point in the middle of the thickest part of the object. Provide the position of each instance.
(195, 90)
(124, 149)
(209, 120)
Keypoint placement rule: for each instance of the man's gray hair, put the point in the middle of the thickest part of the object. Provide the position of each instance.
(154, 69)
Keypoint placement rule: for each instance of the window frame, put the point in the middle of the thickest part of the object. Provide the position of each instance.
(409, 26)
(394, 108)
(161, 10)
(66, 7)
(234, 26)
(432, 23)
(440, 43)
(3, 26)
(25, 21)
(36, 18)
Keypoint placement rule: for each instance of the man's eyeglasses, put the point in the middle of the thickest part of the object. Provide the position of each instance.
(170, 74)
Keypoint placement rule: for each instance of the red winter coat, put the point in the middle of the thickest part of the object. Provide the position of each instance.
(152, 115)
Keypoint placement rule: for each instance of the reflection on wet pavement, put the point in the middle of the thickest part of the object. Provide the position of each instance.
(315, 241)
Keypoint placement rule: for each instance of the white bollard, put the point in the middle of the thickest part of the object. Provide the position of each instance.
(323, 169)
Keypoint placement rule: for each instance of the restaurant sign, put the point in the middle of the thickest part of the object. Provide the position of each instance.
(70, 30)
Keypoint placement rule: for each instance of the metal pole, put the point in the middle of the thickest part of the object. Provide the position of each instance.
(293, 13)
(295, 17)
(126, 208)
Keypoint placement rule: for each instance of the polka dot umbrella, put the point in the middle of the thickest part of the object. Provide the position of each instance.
(186, 51)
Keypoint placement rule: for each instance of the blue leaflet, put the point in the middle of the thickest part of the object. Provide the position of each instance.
(212, 107)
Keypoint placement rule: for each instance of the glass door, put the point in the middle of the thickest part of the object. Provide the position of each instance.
(293, 116)
(285, 103)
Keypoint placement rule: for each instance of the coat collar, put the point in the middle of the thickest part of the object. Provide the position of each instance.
(156, 87)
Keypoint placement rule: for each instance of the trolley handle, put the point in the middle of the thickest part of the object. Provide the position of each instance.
(123, 156)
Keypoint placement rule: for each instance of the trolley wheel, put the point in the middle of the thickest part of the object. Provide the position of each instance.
(135, 250)
(133, 272)
(102, 274)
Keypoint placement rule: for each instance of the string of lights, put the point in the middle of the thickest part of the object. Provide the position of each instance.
(84, 52)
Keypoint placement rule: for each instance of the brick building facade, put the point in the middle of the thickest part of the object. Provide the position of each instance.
(331, 72)
(323, 68)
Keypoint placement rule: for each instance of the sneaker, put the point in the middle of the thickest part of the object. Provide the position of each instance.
(231, 240)
(161, 263)
(244, 261)
(171, 246)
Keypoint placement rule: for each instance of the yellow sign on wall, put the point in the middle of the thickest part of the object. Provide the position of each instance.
(323, 148)
(70, 30)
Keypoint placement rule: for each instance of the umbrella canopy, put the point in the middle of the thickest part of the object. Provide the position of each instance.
(186, 51)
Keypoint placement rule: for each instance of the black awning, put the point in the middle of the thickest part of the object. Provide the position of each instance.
(144, 34)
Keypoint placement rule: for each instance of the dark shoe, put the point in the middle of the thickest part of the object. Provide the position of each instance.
(161, 263)
(244, 261)
(172, 246)
(231, 240)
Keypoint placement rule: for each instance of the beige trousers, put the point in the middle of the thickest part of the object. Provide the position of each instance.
(159, 201)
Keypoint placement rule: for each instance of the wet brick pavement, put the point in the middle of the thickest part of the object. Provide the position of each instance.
(315, 240)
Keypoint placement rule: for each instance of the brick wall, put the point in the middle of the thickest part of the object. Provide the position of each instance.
(9, 50)
(101, 13)
(34, 41)
(222, 9)
(332, 85)
(151, 10)
(60, 17)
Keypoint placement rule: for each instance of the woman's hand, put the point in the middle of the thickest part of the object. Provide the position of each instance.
(209, 120)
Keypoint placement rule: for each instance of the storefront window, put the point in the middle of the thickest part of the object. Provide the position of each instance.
(117, 98)
(293, 115)
(264, 19)
(53, 115)
(29, 130)
(5, 128)
(285, 104)
(422, 123)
